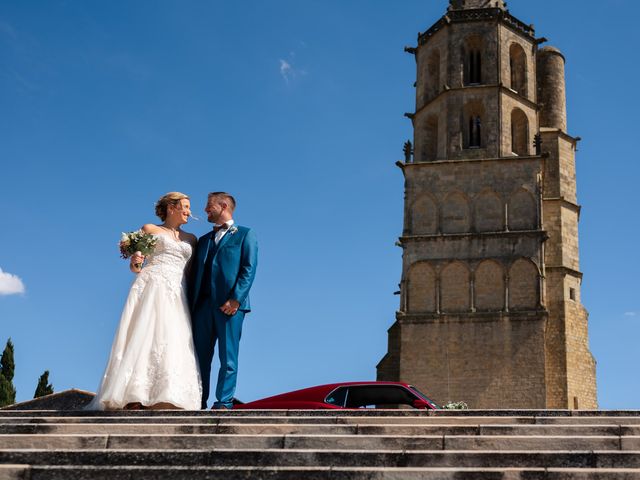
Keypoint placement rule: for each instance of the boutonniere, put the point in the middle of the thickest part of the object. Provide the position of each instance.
(233, 229)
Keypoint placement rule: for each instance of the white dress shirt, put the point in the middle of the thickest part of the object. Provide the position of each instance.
(222, 232)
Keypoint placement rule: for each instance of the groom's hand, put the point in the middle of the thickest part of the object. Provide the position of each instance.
(230, 307)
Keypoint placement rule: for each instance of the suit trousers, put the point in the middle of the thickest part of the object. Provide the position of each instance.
(210, 325)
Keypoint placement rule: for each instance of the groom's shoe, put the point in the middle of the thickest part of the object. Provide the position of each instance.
(220, 407)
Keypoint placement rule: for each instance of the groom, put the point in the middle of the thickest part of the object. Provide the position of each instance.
(221, 276)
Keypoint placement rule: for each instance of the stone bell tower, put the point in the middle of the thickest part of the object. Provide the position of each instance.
(490, 308)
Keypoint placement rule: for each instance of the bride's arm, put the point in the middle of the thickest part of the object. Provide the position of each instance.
(151, 228)
(138, 258)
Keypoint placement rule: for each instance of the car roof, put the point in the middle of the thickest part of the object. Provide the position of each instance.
(319, 392)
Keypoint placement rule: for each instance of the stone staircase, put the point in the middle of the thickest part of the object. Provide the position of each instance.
(313, 445)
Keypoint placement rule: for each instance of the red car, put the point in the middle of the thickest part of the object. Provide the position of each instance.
(345, 395)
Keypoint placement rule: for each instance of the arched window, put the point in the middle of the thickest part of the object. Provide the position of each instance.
(475, 67)
(424, 216)
(523, 211)
(472, 124)
(430, 149)
(475, 131)
(456, 215)
(519, 132)
(421, 288)
(518, 64)
(433, 75)
(454, 288)
(489, 212)
(489, 286)
(472, 61)
(523, 285)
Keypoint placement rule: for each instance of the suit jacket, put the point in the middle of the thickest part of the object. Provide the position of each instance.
(233, 267)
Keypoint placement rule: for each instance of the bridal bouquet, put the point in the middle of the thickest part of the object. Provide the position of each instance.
(137, 241)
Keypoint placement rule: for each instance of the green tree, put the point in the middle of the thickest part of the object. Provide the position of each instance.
(7, 365)
(44, 387)
(7, 392)
(7, 370)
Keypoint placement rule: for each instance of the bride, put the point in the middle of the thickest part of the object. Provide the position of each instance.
(152, 362)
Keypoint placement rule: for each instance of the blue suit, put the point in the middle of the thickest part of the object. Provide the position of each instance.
(219, 273)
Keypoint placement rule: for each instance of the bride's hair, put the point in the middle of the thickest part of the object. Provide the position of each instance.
(171, 198)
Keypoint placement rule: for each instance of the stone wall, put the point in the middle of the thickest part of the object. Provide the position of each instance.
(482, 360)
(458, 197)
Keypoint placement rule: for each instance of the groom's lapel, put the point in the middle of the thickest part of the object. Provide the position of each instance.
(203, 248)
(224, 239)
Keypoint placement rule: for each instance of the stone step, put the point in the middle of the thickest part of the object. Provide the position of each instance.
(365, 412)
(215, 419)
(311, 473)
(355, 444)
(318, 442)
(327, 458)
(16, 472)
(211, 418)
(345, 420)
(12, 428)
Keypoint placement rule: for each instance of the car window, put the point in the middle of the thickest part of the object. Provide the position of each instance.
(378, 396)
(424, 396)
(338, 397)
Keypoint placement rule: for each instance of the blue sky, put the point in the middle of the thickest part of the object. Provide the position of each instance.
(297, 108)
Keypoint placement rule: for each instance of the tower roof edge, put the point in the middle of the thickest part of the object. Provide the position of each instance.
(475, 4)
(549, 49)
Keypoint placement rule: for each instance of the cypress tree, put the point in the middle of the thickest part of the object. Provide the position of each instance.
(7, 392)
(7, 370)
(7, 365)
(44, 387)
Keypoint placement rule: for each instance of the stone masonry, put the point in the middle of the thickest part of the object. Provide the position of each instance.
(490, 308)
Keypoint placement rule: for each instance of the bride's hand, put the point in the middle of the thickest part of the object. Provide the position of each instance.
(137, 259)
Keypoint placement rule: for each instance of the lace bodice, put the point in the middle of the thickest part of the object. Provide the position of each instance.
(166, 264)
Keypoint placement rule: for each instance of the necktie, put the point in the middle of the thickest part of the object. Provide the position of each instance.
(217, 228)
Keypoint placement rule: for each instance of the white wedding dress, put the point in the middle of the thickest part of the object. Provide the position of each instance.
(152, 358)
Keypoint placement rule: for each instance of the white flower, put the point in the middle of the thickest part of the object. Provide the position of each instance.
(233, 230)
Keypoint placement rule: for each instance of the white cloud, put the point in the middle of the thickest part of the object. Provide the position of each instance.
(630, 314)
(285, 70)
(289, 69)
(10, 284)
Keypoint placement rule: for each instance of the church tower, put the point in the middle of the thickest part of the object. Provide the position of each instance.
(490, 310)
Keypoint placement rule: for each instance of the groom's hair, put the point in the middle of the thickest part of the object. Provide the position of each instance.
(227, 197)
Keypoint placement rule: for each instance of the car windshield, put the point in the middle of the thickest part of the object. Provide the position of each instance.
(424, 396)
(337, 397)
